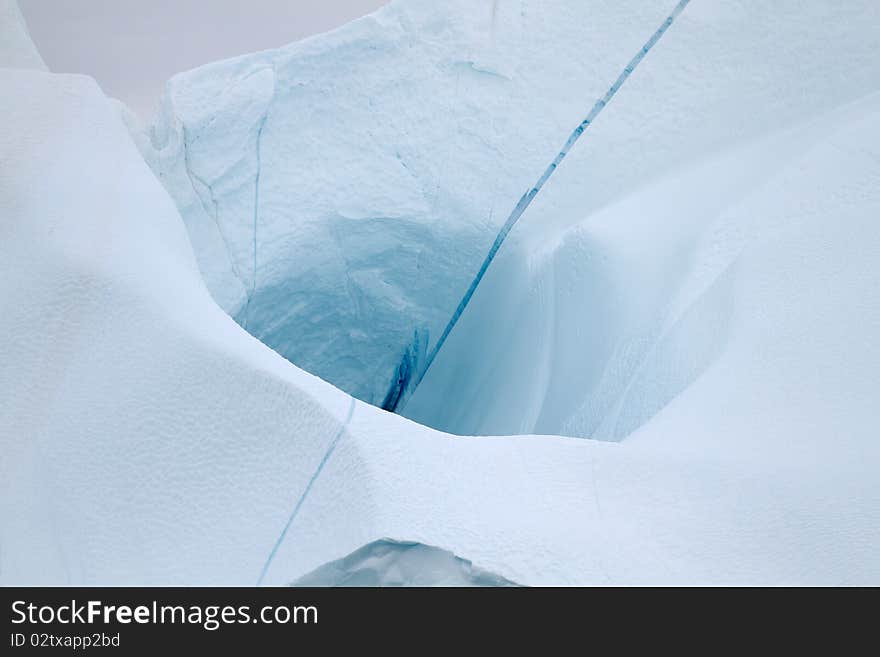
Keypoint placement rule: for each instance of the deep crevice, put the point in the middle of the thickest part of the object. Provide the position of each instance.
(407, 385)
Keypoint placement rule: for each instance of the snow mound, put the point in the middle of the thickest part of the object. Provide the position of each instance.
(401, 563)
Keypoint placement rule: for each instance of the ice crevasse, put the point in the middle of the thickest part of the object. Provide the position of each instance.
(696, 282)
(341, 192)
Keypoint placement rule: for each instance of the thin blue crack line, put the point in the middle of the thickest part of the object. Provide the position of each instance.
(527, 198)
(305, 493)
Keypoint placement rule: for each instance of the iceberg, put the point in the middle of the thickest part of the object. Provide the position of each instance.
(690, 302)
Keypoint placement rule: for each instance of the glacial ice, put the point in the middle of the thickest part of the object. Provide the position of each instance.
(518, 211)
(400, 563)
(695, 287)
(368, 235)
(350, 250)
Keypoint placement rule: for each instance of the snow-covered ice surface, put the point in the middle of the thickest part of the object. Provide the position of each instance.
(697, 282)
(400, 563)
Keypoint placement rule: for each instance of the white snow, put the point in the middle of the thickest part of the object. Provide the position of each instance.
(695, 287)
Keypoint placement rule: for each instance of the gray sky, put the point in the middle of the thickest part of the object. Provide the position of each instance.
(133, 46)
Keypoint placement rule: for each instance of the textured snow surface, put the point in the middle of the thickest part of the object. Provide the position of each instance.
(400, 563)
(702, 285)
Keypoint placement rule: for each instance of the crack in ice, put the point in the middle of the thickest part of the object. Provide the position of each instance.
(402, 396)
(302, 498)
(253, 290)
(194, 178)
(215, 215)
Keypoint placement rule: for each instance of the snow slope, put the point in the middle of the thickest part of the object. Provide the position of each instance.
(123, 460)
(341, 192)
